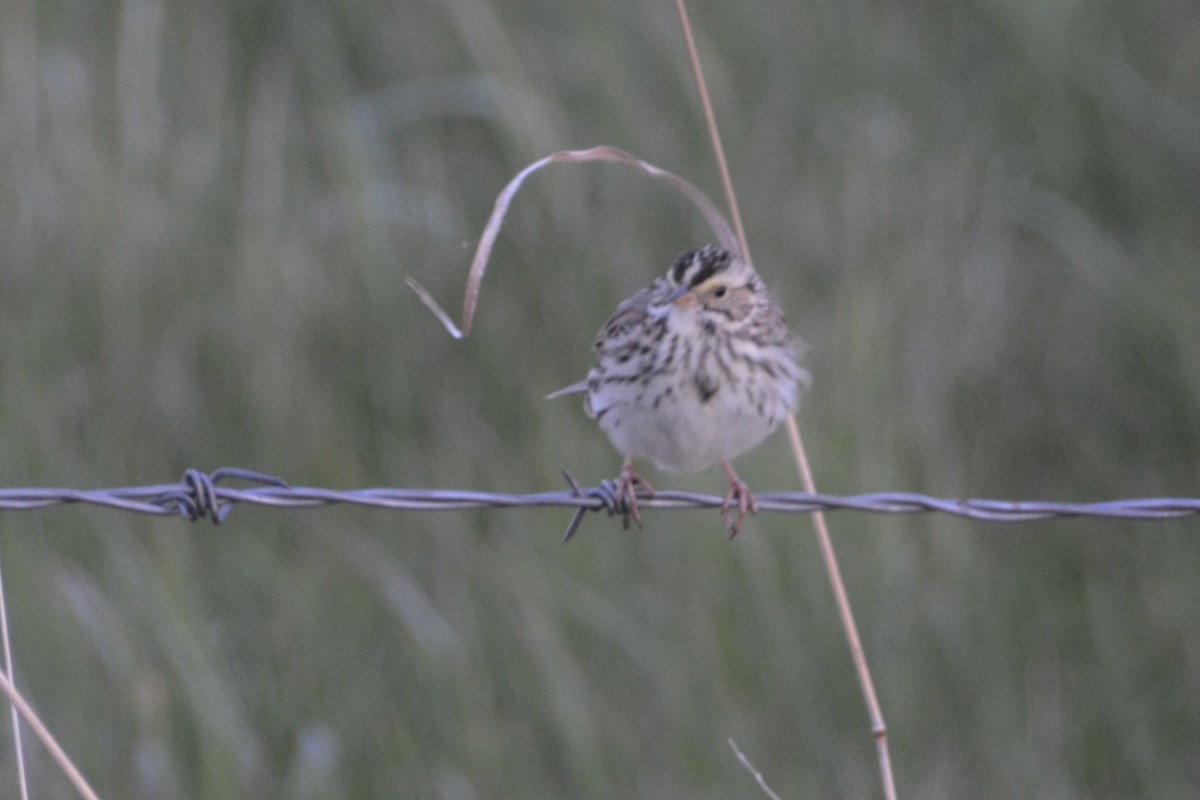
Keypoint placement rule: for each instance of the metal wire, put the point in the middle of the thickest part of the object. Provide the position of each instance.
(199, 496)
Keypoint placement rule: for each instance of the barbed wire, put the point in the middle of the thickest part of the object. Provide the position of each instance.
(198, 495)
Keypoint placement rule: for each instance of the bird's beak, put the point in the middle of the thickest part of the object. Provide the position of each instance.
(678, 293)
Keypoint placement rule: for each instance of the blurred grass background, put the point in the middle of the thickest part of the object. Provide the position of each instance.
(984, 217)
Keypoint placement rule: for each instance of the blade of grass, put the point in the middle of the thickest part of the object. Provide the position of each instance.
(878, 727)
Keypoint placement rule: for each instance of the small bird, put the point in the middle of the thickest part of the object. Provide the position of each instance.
(695, 369)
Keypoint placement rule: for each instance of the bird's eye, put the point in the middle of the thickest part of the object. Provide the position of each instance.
(719, 291)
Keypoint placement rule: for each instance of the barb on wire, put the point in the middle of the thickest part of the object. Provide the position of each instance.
(199, 495)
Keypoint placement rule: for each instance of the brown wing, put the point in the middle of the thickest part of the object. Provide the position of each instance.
(630, 314)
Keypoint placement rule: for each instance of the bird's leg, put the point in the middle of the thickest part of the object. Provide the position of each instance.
(738, 490)
(626, 490)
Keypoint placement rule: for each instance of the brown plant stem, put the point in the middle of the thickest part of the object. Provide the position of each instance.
(43, 733)
(878, 727)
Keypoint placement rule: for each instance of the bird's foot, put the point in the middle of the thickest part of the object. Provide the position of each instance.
(625, 491)
(740, 493)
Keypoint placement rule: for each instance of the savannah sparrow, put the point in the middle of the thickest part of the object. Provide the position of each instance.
(695, 369)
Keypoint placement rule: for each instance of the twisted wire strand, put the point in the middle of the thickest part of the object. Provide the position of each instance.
(200, 495)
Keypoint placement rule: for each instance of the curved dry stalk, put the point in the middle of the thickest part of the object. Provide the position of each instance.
(42, 732)
(878, 727)
(488, 239)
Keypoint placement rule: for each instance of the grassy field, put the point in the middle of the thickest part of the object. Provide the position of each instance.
(983, 217)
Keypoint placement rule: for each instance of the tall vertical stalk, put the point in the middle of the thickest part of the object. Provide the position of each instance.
(878, 727)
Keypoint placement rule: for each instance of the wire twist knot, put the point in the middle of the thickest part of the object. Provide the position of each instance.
(198, 496)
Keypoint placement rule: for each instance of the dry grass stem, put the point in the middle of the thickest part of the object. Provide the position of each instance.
(42, 732)
(433, 306)
(18, 747)
(753, 770)
(878, 728)
(714, 133)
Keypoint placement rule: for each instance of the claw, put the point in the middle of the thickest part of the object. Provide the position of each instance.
(626, 490)
(739, 491)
